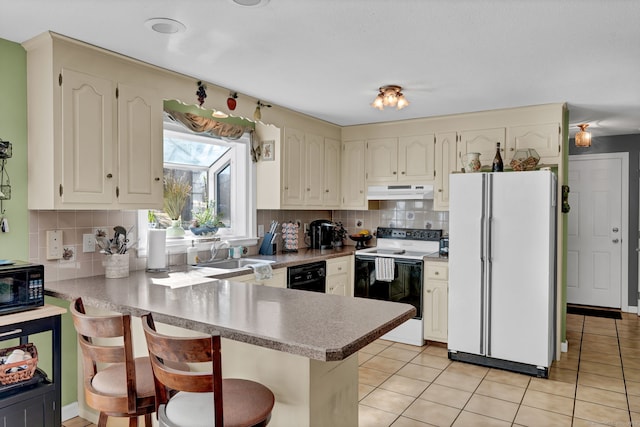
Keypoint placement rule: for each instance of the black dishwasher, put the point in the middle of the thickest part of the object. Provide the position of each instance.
(308, 277)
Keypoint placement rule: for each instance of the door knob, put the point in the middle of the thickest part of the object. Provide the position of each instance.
(615, 240)
(614, 229)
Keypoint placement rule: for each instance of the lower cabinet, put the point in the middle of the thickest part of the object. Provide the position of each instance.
(277, 280)
(436, 310)
(339, 277)
(34, 411)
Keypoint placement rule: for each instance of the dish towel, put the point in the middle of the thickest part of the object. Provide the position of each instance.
(385, 269)
(262, 271)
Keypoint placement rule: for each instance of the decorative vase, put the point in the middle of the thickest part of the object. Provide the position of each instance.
(176, 230)
(472, 162)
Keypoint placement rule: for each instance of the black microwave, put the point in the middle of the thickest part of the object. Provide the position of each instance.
(21, 286)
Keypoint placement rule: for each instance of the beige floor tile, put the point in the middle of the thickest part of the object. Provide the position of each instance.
(601, 331)
(602, 397)
(506, 392)
(553, 387)
(422, 373)
(563, 375)
(601, 369)
(577, 422)
(506, 377)
(491, 407)
(548, 402)
(599, 381)
(374, 348)
(535, 417)
(567, 363)
(634, 403)
(633, 387)
(606, 358)
(408, 347)
(466, 419)
(363, 357)
(384, 364)
(388, 401)
(372, 417)
(372, 377)
(632, 374)
(459, 381)
(77, 422)
(468, 369)
(629, 347)
(426, 359)
(602, 414)
(607, 339)
(436, 351)
(408, 422)
(364, 389)
(635, 418)
(446, 396)
(596, 346)
(599, 322)
(404, 385)
(431, 413)
(631, 362)
(398, 354)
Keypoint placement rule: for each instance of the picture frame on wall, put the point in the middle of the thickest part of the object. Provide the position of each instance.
(268, 151)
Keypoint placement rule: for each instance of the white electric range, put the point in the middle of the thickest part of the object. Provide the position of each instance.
(393, 270)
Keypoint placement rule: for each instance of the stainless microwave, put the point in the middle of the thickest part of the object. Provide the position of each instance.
(21, 286)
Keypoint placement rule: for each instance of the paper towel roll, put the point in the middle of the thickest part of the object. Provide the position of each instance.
(156, 244)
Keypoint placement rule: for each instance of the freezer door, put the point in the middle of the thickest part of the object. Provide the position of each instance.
(465, 262)
(522, 287)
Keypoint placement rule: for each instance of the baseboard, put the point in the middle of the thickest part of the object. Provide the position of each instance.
(69, 411)
(564, 346)
(594, 311)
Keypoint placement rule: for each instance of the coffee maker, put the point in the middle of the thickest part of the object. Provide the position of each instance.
(320, 234)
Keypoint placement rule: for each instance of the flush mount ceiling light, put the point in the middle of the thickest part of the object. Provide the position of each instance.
(251, 3)
(390, 96)
(583, 138)
(165, 25)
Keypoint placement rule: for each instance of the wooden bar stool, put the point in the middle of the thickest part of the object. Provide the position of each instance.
(201, 399)
(115, 383)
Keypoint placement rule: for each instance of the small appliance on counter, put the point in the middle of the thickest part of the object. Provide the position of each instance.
(444, 246)
(21, 286)
(320, 234)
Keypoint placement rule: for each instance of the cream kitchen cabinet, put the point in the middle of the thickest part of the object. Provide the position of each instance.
(277, 280)
(481, 141)
(310, 170)
(94, 142)
(354, 194)
(546, 139)
(445, 156)
(403, 159)
(340, 276)
(436, 300)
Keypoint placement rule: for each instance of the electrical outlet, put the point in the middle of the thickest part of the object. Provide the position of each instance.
(306, 227)
(88, 243)
(260, 230)
(54, 244)
(359, 223)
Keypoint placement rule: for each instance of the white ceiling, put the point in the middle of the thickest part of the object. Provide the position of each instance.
(326, 58)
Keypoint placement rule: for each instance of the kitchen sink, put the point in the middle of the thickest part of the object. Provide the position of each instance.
(233, 264)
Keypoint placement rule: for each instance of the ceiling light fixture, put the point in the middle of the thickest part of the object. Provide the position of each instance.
(583, 138)
(390, 96)
(165, 25)
(251, 3)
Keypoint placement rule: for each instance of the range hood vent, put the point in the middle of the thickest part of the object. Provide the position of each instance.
(400, 192)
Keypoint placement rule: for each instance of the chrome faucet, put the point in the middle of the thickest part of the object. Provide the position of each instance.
(215, 247)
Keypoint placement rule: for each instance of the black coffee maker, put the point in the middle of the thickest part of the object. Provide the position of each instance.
(320, 234)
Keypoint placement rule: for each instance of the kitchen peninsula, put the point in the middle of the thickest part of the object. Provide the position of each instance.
(302, 345)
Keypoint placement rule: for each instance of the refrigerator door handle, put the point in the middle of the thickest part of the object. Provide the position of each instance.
(489, 266)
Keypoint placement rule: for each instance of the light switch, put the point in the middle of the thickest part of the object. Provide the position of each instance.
(54, 244)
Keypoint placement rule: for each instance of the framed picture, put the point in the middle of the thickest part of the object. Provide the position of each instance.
(268, 150)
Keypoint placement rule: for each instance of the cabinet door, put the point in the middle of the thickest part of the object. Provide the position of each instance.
(139, 147)
(88, 171)
(416, 159)
(338, 273)
(482, 141)
(314, 176)
(331, 195)
(436, 311)
(353, 175)
(337, 284)
(294, 162)
(382, 160)
(545, 139)
(445, 154)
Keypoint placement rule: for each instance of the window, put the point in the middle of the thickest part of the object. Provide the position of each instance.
(220, 172)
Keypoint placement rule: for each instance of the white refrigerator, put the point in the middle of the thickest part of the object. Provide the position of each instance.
(502, 270)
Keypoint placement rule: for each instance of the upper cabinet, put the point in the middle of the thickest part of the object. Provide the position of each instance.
(354, 195)
(94, 142)
(446, 156)
(481, 141)
(310, 171)
(403, 159)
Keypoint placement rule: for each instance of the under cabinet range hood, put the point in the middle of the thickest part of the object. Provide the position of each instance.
(400, 192)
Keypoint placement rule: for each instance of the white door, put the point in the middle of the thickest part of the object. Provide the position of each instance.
(596, 230)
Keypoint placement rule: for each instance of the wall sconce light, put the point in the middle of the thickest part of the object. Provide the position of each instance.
(257, 114)
(390, 96)
(583, 138)
(231, 101)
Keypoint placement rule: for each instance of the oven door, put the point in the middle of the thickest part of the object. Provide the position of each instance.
(405, 287)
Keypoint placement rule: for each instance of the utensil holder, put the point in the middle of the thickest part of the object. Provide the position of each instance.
(116, 266)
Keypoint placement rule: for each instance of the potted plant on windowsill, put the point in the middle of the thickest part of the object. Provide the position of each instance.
(206, 221)
(176, 193)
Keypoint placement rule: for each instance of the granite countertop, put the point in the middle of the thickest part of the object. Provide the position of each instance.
(314, 325)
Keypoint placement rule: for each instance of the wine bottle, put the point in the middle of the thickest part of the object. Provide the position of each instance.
(498, 166)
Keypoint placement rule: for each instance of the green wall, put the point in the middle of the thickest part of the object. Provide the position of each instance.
(15, 243)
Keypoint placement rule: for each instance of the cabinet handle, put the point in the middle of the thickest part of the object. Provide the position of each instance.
(439, 190)
(511, 149)
(395, 173)
(286, 188)
(109, 175)
(308, 189)
(156, 179)
(428, 291)
(361, 191)
(402, 172)
(326, 191)
(339, 268)
(15, 331)
(437, 273)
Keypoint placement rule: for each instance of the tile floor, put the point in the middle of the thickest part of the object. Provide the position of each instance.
(597, 383)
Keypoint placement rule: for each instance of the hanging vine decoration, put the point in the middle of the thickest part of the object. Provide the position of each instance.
(201, 93)
(5, 183)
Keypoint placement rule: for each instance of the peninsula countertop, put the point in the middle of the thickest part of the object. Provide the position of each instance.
(318, 326)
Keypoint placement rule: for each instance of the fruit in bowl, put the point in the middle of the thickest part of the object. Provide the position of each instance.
(361, 238)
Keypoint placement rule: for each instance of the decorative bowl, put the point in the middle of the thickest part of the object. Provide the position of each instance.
(360, 239)
(525, 160)
(204, 230)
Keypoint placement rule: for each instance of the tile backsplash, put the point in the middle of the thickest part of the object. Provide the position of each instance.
(73, 224)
